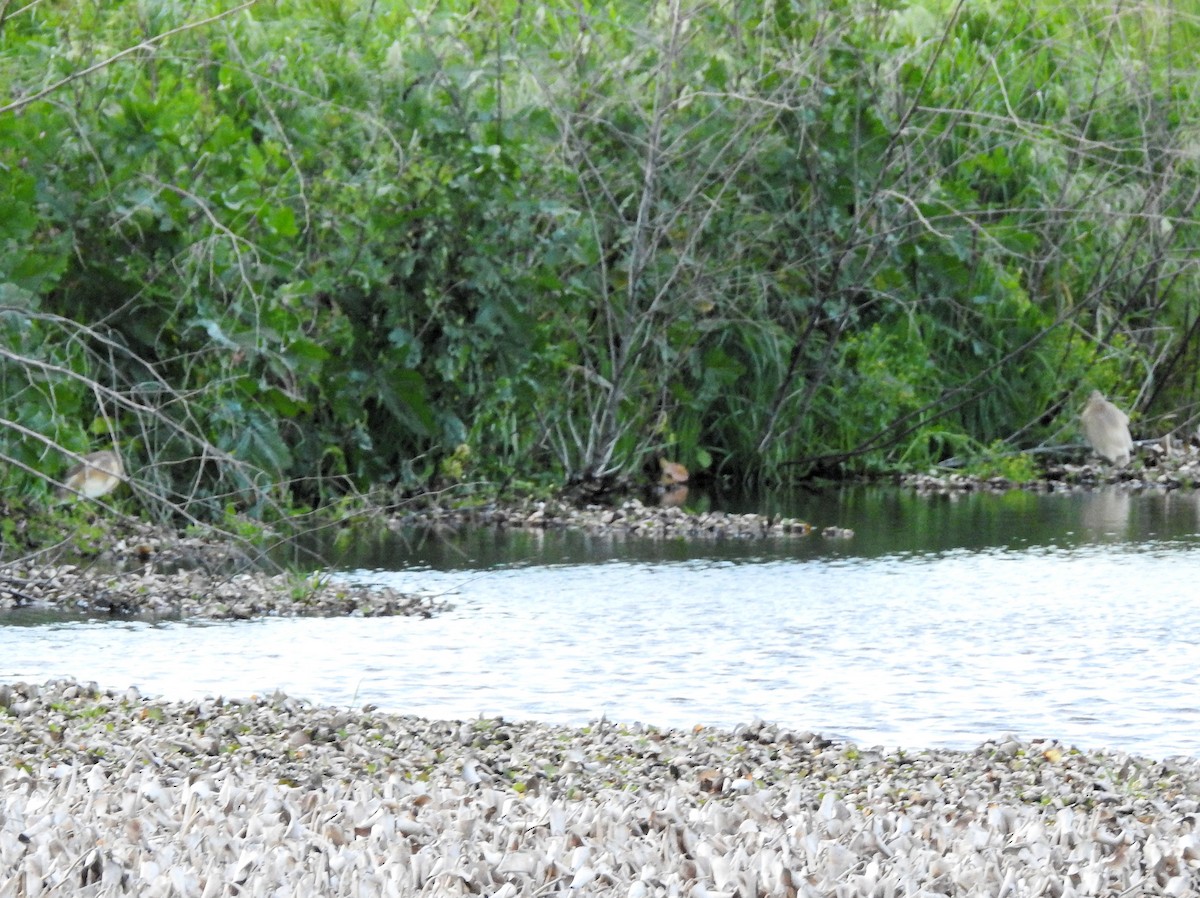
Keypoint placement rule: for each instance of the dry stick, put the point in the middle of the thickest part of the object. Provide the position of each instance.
(47, 441)
(49, 550)
(602, 404)
(639, 324)
(92, 333)
(1193, 328)
(10, 585)
(1100, 281)
(609, 431)
(115, 396)
(4, 14)
(147, 44)
(111, 509)
(1010, 118)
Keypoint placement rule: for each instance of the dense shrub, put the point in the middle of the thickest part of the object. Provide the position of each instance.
(335, 245)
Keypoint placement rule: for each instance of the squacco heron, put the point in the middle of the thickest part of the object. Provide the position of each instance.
(672, 472)
(97, 475)
(1107, 429)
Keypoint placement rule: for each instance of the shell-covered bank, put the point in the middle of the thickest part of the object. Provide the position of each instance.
(197, 594)
(112, 793)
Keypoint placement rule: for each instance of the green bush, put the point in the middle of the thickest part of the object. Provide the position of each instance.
(290, 254)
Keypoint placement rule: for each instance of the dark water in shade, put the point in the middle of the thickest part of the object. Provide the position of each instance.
(943, 622)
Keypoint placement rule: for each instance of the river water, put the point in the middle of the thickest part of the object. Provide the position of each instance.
(943, 622)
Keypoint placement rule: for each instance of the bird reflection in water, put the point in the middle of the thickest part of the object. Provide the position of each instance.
(1106, 513)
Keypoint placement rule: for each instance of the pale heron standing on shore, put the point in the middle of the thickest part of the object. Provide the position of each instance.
(1107, 429)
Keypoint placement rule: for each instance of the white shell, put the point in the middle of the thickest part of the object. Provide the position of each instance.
(391, 813)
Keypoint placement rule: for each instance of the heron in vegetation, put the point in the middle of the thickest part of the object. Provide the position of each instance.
(1107, 429)
(672, 472)
(97, 475)
(672, 483)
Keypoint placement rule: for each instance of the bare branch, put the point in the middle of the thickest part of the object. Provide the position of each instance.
(147, 44)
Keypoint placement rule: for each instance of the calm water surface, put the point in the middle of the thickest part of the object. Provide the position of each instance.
(942, 623)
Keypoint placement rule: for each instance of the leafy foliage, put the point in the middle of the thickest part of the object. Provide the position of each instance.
(339, 245)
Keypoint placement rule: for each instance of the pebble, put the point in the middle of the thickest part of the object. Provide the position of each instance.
(107, 792)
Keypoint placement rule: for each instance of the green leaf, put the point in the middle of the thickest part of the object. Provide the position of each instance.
(281, 220)
(403, 393)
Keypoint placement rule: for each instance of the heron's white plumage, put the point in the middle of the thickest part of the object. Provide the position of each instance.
(1107, 429)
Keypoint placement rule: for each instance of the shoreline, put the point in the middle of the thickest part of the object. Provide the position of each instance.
(151, 573)
(108, 792)
(197, 594)
(157, 575)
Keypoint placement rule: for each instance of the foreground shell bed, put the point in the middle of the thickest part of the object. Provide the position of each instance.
(111, 793)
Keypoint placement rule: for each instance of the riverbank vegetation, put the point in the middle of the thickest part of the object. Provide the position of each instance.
(286, 254)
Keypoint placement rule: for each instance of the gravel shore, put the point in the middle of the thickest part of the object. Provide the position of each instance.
(631, 518)
(197, 594)
(112, 793)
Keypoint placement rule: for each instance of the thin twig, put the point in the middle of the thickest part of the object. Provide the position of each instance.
(147, 44)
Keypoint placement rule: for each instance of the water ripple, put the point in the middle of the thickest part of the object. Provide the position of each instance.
(1092, 645)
